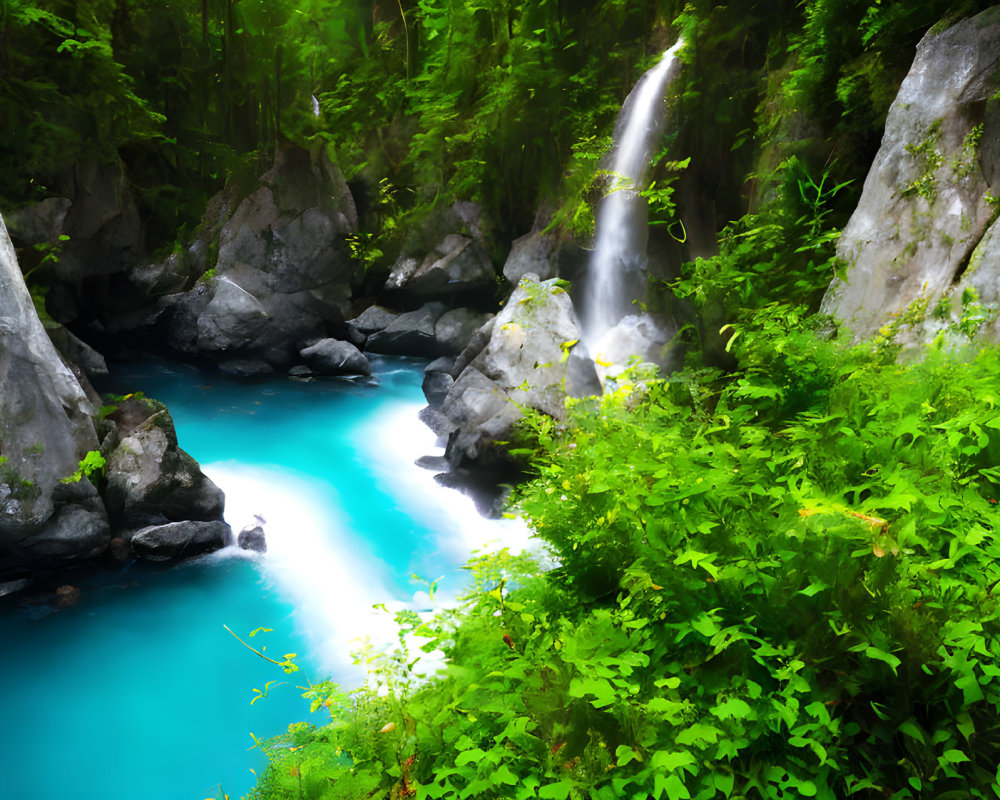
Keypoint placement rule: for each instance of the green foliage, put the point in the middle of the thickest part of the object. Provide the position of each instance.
(91, 467)
(783, 254)
(744, 602)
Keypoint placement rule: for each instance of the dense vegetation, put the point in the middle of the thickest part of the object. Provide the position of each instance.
(775, 574)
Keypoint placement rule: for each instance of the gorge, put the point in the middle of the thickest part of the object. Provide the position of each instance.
(702, 297)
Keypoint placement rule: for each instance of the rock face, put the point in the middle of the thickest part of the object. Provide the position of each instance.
(46, 428)
(456, 265)
(283, 272)
(50, 512)
(150, 480)
(519, 359)
(923, 208)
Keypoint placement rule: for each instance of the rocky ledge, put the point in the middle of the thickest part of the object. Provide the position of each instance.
(73, 486)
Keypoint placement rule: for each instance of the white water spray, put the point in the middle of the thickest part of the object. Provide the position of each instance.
(326, 569)
(618, 264)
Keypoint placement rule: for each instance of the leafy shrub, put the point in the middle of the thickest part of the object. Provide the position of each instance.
(745, 605)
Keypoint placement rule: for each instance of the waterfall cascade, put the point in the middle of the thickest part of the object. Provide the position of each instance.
(617, 271)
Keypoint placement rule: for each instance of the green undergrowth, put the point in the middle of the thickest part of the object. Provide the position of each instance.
(754, 597)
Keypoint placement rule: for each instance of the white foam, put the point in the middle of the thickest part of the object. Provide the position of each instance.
(394, 441)
(311, 558)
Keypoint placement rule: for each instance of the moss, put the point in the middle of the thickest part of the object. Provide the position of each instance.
(20, 488)
(929, 158)
(963, 163)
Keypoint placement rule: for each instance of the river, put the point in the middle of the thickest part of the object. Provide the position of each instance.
(138, 690)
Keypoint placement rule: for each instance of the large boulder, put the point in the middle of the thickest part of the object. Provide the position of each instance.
(283, 273)
(411, 334)
(46, 429)
(150, 480)
(334, 357)
(923, 209)
(517, 360)
(175, 540)
(545, 255)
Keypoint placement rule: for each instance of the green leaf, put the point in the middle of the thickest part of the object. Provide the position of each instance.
(555, 791)
(954, 756)
(913, 730)
(670, 760)
(625, 754)
(733, 708)
(881, 655)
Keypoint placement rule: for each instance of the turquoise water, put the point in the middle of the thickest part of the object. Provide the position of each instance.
(138, 691)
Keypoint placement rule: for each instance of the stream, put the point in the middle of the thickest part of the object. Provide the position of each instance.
(137, 690)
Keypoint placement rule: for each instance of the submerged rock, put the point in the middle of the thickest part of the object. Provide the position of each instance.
(177, 540)
(923, 209)
(252, 539)
(334, 357)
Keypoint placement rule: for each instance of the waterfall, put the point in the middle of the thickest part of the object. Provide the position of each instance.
(617, 271)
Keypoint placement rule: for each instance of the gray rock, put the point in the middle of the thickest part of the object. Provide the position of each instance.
(531, 340)
(411, 334)
(333, 357)
(283, 272)
(46, 420)
(38, 222)
(150, 480)
(76, 351)
(252, 539)
(473, 351)
(637, 338)
(372, 320)
(454, 329)
(455, 265)
(480, 413)
(437, 380)
(74, 532)
(922, 210)
(176, 540)
(523, 363)
(974, 302)
(166, 276)
(535, 253)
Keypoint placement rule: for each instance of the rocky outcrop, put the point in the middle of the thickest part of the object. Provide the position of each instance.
(544, 255)
(923, 209)
(51, 510)
(455, 266)
(517, 360)
(150, 480)
(46, 428)
(282, 275)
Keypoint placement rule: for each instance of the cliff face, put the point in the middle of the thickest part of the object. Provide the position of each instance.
(924, 210)
(50, 514)
(46, 428)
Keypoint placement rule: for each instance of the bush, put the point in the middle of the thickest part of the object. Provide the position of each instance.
(798, 606)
